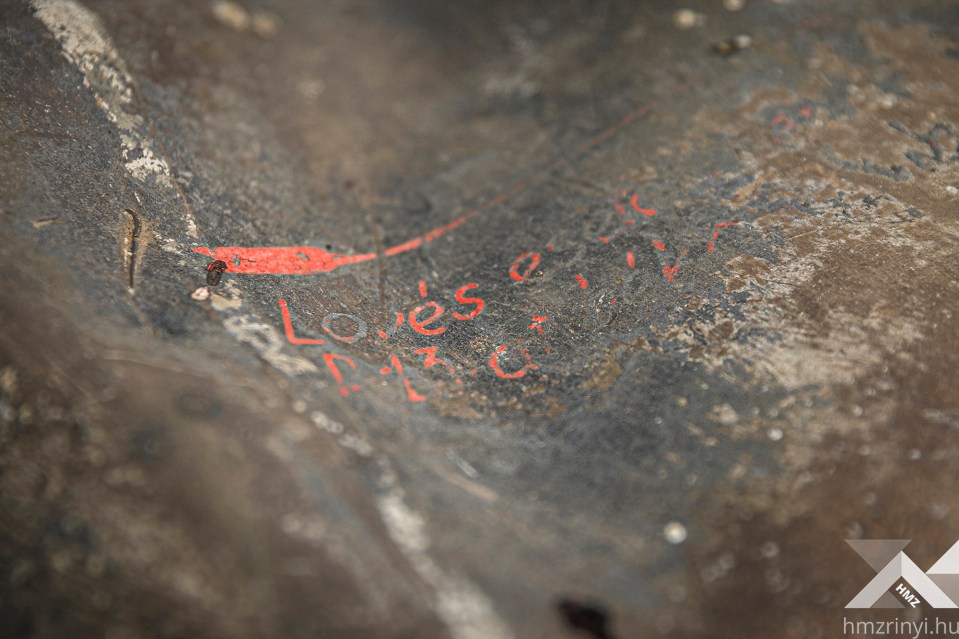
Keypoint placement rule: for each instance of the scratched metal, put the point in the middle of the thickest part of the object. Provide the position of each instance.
(533, 313)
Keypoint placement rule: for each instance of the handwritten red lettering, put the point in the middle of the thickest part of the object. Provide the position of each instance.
(494, 364)
(710, 245)
(669, 272)
(478, 304)
(288, 327)
(358, 333)
(538, 323)
(421, 326)
(634, 202)
(330, 359)
(534, 259)
(430, 359)
(396, 324)
(411, 393)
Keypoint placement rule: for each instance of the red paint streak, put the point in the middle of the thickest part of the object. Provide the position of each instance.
(288, 327)
(302, 260)
(582, 282)
(422, 288)
(494, 364)
(604, 240)
(805, 112)
(669, 272)
(478, 303)
(421, 326)
(330, 359)
(403, 248)
(397, 323)
(386, 370)
(534, 259)
(634, 202)
(538, 323)
(620, 209)
(630, 259)
(659, 245)
(411, 393)
(449, 226)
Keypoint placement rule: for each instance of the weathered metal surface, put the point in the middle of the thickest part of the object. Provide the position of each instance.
(615, 315)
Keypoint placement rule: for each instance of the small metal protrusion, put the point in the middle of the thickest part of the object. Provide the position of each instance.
(214, 270)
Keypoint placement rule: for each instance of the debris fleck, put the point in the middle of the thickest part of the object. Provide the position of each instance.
(674, 532)
(769, 550)
(201, 294)
(231, 14)
(265, 24)
(44, 221)
(311, 89)
(733, 45)
(726, 414)
(214, 271)
(685, 19)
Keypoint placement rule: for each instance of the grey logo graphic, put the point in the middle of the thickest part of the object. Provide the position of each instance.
(939, 586)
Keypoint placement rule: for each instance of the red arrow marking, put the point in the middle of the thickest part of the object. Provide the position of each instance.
(303, 260)
(285, 260)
